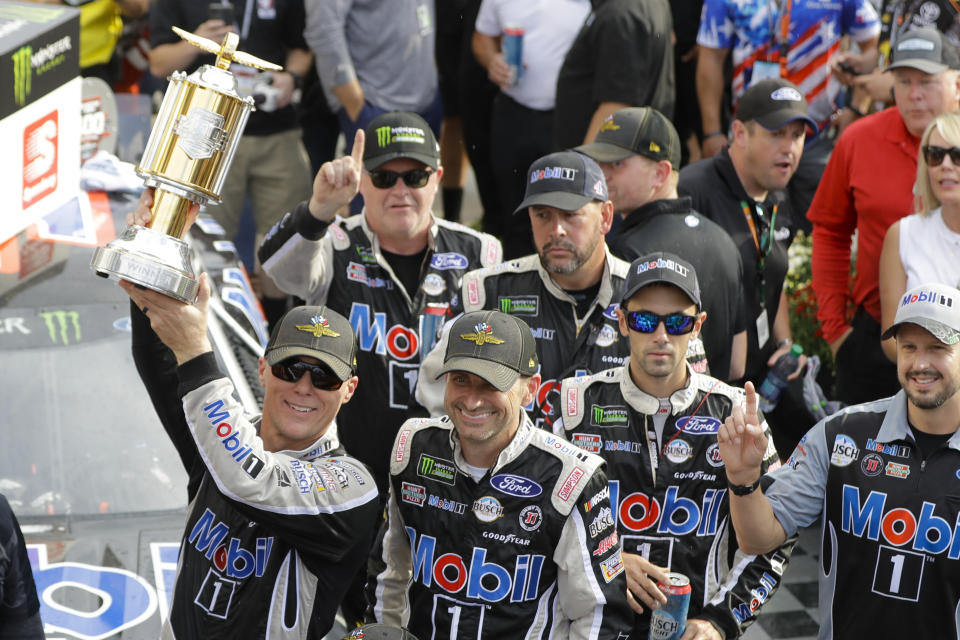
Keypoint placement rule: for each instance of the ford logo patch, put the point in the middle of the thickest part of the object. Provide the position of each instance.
(444, 261)
(515, 485)
(698, 425)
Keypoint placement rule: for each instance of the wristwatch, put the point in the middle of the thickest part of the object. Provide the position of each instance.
(744, 489)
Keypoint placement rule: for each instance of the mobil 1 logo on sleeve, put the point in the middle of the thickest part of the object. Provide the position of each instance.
(844, 452)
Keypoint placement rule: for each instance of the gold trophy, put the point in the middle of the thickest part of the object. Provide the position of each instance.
(191, 147)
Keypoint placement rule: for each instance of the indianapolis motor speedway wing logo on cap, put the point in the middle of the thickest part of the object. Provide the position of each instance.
(319, 328)
(483, 334)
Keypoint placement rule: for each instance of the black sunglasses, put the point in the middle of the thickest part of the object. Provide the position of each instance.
(415, 178)
(677, 324)
(934, 155)
(291, 370)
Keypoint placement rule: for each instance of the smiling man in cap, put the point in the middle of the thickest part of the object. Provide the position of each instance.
(883, 477)
(279, 515)
(653, 421)
(639, 152)
(494, 510)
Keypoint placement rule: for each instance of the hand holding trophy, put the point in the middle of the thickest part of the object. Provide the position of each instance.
(186, 160)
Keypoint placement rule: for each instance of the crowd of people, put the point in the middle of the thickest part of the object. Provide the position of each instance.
(522, 430)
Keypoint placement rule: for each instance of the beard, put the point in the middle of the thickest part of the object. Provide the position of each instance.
(934, 401)
(578, 259)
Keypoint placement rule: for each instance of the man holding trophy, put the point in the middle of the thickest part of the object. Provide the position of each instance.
(279, 516)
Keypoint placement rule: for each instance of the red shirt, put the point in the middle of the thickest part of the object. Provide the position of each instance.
(866, 187)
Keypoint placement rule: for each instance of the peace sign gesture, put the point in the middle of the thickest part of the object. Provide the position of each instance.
(337, 182)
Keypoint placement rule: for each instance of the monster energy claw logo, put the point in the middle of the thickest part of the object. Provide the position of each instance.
(438, 469)
(59, 323)
(383, 136)
(614, 415)
(22, 74)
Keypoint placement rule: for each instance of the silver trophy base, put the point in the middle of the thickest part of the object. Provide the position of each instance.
(149, 258)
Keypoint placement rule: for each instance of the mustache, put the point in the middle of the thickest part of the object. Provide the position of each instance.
(562, 244)
(923, 372)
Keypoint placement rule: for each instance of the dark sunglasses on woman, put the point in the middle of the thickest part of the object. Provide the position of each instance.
(934, 155)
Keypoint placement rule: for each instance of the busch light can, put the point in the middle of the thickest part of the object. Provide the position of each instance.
(513, 51)
(670, 620)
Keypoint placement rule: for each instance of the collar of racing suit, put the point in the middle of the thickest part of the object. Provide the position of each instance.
(511, 451)
(648, 404)
(895, 426)
(324, 445)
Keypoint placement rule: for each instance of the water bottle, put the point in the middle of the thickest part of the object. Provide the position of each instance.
(776, 380)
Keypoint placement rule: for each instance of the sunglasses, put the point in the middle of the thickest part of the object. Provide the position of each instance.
(415, 178)
(677, 324)
(934, 155)
(291, 370)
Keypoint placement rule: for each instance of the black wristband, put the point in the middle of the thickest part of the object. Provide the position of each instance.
(297, 79)
(744, 489)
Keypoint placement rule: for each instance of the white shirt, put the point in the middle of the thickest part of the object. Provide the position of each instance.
(929, 250)
(550, 27)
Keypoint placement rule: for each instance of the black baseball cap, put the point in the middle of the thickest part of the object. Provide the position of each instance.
(661, 267)
(635, 130)
(924, 49)
(493, 345)
(566, 180)
(935, 307)
(773, 103)
(318, 332)
(400, 134)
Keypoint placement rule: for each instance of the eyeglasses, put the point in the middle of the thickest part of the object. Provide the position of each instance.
(291, 370)
(934, 155)
(415, 178)
(677, 324)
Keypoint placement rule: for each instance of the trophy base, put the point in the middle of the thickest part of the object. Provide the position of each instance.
(151, 259)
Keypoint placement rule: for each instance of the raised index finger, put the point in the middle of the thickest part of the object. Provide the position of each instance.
(357, 152)
(750, 404)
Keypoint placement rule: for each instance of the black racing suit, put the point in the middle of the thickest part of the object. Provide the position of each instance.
(272, 539)
(567, 344)
(669, 489)
(19, 606)
(341, 266)
(507, 556)
(890, 545)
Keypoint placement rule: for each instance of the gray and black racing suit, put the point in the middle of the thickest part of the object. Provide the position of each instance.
(505, 556)
(272, 539)
(341, 265)
(890, 542)
(668, 489)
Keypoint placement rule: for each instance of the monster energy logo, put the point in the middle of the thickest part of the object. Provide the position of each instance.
(437, 469)
(524, 306)
(603, 416)
(59, 323)
(383, 136)
(22, 74)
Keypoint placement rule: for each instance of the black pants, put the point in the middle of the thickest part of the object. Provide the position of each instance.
(518, 137)
(864, 372)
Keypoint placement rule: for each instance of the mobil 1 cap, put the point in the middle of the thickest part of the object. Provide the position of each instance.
(318, 332)
(399, 134)
(923, 49)
(566, 180)
(635, 130)
(493, 345)
(773, 102)
(661, 267)
(935, 307)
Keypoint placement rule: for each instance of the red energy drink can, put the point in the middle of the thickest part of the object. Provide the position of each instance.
(512, 46)
(670, 620)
